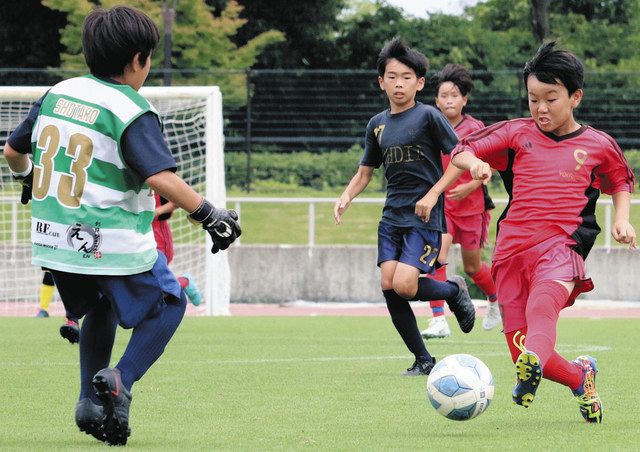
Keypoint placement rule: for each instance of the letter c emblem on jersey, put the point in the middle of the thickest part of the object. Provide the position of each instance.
(581, 157)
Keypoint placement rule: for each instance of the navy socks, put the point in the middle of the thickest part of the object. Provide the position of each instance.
(97, 334)
(431, 289)
(149, 340)
(404, 320)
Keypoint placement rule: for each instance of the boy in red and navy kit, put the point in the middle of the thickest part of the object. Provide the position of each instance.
(553, 169)
(465, 206)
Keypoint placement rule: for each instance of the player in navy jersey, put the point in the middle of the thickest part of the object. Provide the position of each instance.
(407, 139)
(465, 207)
(553, 169)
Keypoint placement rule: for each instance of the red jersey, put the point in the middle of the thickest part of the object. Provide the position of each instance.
(553, 182)
(162, 231)
(473, 204)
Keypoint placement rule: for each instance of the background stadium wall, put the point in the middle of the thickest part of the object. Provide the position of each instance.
(349, 274)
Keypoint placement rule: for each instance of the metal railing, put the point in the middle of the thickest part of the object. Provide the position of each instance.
(239, 200)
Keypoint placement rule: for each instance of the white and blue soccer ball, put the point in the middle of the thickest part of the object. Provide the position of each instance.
(460, 387)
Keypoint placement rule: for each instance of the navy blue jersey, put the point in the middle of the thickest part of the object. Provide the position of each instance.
(409, 145)
(143, 145)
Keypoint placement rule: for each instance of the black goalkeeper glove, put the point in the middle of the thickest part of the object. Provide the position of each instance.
(221, 224)
(27, 184)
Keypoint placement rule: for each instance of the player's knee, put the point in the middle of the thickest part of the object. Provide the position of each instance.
(405, 288)
(471, 268)
(386, 283)
(127, 323)
(133, 319)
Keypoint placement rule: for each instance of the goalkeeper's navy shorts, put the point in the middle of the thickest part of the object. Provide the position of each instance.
(418, 247)
(132, 297)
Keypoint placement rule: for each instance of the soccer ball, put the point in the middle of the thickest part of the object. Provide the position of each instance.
(460, 387)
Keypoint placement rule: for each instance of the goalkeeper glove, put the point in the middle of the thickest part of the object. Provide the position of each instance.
(221, 224)
(26, 180)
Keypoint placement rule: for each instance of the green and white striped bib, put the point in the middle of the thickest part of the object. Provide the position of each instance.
(91, 213)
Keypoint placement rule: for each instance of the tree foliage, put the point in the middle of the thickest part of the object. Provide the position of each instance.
(202, 40)
(29, 34)
(241, 34)
(498, 34)
(309, 27)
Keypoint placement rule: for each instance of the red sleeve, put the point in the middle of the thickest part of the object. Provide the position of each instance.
(614, 173)
(490, 145)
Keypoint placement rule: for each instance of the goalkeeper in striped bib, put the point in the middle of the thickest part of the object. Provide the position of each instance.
(98, 155)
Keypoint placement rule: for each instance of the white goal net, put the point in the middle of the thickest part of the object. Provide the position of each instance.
(192, 119)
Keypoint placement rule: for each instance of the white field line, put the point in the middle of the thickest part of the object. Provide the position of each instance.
(317, 359)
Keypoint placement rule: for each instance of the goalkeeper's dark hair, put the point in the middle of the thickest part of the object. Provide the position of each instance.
(551, 65)
(396, 48)
(456, 74)
(111, 38)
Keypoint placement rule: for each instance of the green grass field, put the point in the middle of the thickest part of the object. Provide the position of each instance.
(311, 383)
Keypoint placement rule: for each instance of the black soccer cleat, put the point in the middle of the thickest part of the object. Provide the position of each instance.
(419, 368)
(461, 305)
(89, 418)
(70, 330)
(116, 401)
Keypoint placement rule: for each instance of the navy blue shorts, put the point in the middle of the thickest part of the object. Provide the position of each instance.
(132, 297)
(418, 247)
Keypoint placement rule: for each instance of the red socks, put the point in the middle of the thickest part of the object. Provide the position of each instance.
(437, 306)
(545, 301)
(515, 341)
(482, 278)
(562, 371)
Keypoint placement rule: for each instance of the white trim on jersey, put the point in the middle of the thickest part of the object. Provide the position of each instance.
(116, 241)
(89, 90)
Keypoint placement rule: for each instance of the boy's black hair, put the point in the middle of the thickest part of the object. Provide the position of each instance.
(111, 38)
(456, 74)
(396, 48)
(550, 65)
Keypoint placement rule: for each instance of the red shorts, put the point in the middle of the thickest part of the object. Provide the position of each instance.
(470, 231)
(552, 259)
(164, 238)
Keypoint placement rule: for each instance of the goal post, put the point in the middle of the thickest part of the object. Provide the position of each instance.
(193, 128)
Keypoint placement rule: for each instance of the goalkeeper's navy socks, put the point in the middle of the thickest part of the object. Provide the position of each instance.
(431, 289)
(98, 331)
(404, 320)
(149, 339)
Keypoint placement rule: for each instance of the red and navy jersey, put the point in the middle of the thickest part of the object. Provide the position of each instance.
(473, 204)
(553, 181)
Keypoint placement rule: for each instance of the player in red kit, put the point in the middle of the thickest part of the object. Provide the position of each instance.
(553, 169)
(465, 208)
(164, 241)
